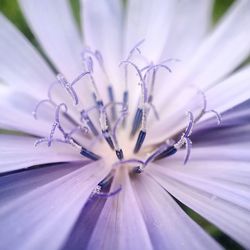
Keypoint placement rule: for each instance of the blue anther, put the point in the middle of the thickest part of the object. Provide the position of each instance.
(119, 154)
(125, 103)
(166, 153)
(137, 121)
(125, 98)
(140, 140)
(94, 97)
(137, 170)
(108, 139)
(106, 181)
(89, 123)
(112, 99)
(88, 154)
(99, 103)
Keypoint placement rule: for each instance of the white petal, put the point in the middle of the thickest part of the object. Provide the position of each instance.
(222, 202)
(102, 23)
(120, 225)
(225, 49)
(169, 227)
(54, 27)
(218, 55)
(17, 113)
(191, 24)
(237, 151)
(222, 97)
(31, 220)
(149, 20)
(17, 152)
(231, 92)
(20, 65)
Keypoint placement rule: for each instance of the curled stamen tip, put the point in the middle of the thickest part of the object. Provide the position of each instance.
(98, 192)
(34, 114)
(137, 170)
(84, 130)
(60, 77)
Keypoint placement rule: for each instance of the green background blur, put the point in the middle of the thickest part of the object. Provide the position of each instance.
(11, 9)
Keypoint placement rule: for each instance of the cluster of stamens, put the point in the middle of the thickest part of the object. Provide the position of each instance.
(112, 115)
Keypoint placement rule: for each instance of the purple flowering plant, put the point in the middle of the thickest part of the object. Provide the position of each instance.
(146, 108)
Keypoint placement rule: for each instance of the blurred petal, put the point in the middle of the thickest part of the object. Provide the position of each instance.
(21, 66)
(121, 225)
(191, 24)
(230, 92)
(169, 227)
(222, 136)
(17, 110)
(220, 54)
(102, 23)
(18, 152)
(149, 20)
(30, 220)
(223, 201)
(221, 97)
(55, 29)
(237, 151)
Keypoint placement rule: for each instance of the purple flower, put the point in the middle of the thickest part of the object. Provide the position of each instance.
(109, 143)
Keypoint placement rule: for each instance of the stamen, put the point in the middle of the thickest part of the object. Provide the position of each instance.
(136, 122)
(125, 104)
(140, 140)
(90, 155)
(108, 139)
(62, 80)
(188, 147)
(204, 110)
(34, 113)
(170, 150)
(112, 99)
(166, 153)
(86, 118)
(98, 192)
(119, 152)
(43, 140)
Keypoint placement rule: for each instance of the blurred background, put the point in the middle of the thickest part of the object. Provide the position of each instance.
(11, 9)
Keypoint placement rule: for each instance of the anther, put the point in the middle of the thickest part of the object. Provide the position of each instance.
(88, 154)
(112, 99)
(137, 170)
(125, 104)
(136, 122)
(86, 118)
(108, 138)
(166, 153)
(140, 140)
(119, 154)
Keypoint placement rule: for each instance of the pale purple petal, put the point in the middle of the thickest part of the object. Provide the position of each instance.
(145, 20)
(102, 23)
(20, 64)
(54, 27)
(121, 225)
(168, 226)
(18, 152)
(224, 201)
(192, 22)
(43, 217)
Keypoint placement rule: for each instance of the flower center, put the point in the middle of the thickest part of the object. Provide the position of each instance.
(101, 129)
